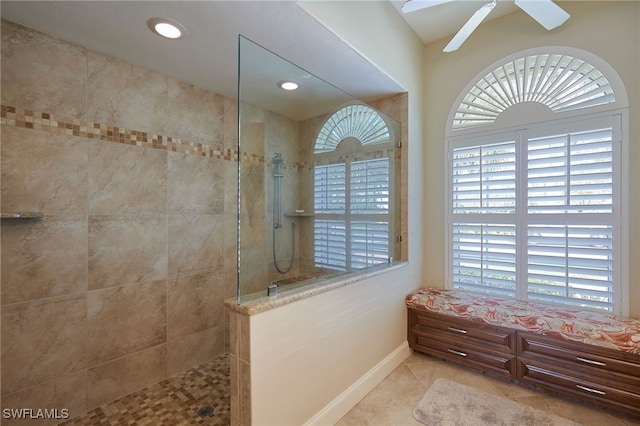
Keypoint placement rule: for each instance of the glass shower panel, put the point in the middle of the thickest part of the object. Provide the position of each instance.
(317, 178)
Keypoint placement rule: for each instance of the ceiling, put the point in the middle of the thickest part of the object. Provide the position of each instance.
(208, 56)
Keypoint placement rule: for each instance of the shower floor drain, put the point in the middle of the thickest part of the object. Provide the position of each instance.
(206, 411)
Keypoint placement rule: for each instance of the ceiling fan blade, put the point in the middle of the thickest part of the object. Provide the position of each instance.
(413, 5)
(546, 12)
(469, 27)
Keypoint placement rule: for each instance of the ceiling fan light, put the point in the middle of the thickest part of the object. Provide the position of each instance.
(546, 12)
(469, 27)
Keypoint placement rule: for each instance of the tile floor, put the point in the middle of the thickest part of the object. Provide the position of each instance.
(392, 402)
(176, 401)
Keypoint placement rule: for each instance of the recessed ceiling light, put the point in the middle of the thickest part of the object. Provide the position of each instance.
(287, 85)
(167, 28)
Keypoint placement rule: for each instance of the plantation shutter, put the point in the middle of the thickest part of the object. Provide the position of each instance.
(565, 223)
(329, 194)
(351, 203)
(570, 184)
(330, 244)
(370, 187)
(330, 238)
(484, 253)
(369, 195)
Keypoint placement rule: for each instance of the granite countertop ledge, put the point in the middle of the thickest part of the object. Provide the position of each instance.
(266, 303)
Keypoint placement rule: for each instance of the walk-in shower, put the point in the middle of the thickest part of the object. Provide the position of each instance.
(277, 214)
(318, 180)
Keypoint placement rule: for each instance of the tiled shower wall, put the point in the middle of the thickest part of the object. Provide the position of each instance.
(122, 281)
(263, 134)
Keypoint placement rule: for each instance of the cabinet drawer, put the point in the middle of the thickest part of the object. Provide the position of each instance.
(564, 381)
(442, 345)
(485, 335)
(590, 359)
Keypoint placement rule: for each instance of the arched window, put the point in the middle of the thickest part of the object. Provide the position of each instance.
(353, 157)
(356, 121)
(558, 81)
(535, 181)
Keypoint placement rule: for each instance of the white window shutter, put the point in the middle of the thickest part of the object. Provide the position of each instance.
(566, 219)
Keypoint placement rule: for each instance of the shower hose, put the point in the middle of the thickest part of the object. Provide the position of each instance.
(293, 249)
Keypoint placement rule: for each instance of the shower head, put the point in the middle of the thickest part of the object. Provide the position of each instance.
(277, 158)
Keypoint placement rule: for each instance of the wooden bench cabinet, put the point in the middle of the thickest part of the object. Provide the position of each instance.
(483, 346)
(602, 376)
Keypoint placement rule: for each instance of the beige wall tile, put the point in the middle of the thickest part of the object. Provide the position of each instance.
(231, 124)
(252, 130)
(126, 250)
(125, 375)
(254, 230)
(94, 268)
(125, 179)
(231, 188)
(196, 244)
(230, 284)
(232, 321)
(42, 73)
(195, 185)
(203, 110)
(42, 340)
(125, 95)
(194, 349)
(67, 392)
(252, 196)
(234, 390)
(124, 320)
(253, 269)
(230, 243)
(244, 338)
(196, 303)
(43, 172)
(244, 371)
(281, 135)
(35, 266)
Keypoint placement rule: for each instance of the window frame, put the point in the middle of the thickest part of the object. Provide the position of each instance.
(347, 217)
(356, 132)
(536, 113)
(521, 134)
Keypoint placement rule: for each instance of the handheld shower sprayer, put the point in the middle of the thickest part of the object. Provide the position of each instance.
(277, 161)
(277, 210)
(277, 177)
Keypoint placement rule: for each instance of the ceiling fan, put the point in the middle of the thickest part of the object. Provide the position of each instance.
(546, 12)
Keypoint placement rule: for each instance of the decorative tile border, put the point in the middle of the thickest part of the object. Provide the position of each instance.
(28, 119)
(43, 121)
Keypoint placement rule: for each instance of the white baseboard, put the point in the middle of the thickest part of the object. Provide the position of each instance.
(348, 399)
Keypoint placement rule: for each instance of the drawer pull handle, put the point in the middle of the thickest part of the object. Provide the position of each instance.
(453, 351)
(458, 330)
(586, 389)
(590, 361)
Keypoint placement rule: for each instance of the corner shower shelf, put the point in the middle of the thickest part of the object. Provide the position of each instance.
(296, 214)
(21, 215)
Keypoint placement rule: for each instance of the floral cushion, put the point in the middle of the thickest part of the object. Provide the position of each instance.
(569, 323)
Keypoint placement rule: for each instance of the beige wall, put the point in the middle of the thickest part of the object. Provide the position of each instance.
(609, 30)
(326, 352)
(122, 282)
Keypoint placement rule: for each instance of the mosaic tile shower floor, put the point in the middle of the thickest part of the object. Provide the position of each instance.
(175, 401)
